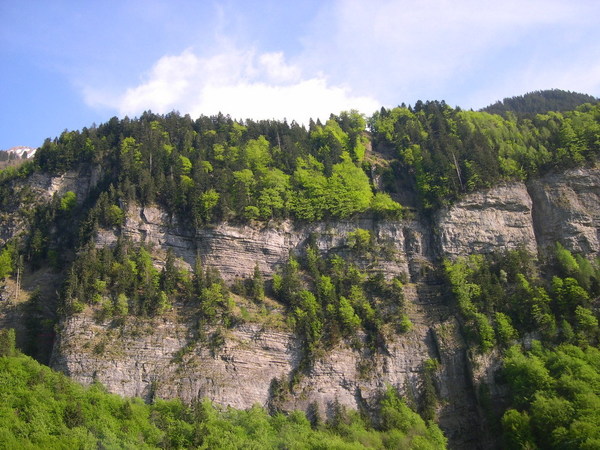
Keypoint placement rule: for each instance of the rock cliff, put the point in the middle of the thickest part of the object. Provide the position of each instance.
(497, 219)
(163, 357)
(41, 188)
(566, 209)
(561, 207)
(235, 250)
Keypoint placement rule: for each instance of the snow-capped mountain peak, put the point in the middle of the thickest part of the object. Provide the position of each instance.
(22, 150)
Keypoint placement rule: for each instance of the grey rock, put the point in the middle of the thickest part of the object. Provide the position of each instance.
(163, 357)
(497, 219)
(567, 210)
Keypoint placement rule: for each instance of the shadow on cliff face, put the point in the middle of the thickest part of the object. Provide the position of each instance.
(31, 310)
(39, 317)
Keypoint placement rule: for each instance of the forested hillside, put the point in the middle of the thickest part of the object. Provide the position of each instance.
(446, 152)
(540, 102)
(215, 169)
(383, 282)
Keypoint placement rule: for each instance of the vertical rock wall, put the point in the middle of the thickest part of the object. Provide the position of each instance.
(160, 358)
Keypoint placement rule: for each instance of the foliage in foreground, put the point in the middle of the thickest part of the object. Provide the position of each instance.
(40, 408)
(554, 386)
(555, 397)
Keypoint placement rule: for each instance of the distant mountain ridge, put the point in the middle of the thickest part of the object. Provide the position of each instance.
(539, 102)
(21, 150)
(15, 156)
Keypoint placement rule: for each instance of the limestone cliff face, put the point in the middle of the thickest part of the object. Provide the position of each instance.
(235, 250)
(40, 188)
(496, 219)
(566, 209)
(563, 207)
(78, 181)
(149, 358)
(142, 363)
(161, 357)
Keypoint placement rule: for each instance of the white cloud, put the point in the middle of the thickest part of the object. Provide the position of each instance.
(362, 55)
(244, 84)
(277, 69)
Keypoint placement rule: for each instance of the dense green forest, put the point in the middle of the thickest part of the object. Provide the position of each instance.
(540, 102)
(445, 152)
(215, 169)
(554, 395)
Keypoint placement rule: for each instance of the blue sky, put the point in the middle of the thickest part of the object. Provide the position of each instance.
(69, 64)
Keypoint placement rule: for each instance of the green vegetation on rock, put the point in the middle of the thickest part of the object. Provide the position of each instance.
(40, 408)
(540, 317)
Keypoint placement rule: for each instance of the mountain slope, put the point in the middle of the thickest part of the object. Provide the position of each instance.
(540, 102)
(262, 262)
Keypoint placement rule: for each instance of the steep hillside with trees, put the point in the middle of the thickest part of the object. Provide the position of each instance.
(122, 229)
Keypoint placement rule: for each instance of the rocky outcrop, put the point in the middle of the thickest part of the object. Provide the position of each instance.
(566, 209)
(562, 207)
(160, 358)
(79, 181)
(497, 219)
(39, 188)
(236, 249)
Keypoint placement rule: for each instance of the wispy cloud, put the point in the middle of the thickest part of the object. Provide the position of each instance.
(403, 50)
